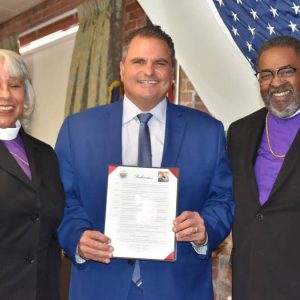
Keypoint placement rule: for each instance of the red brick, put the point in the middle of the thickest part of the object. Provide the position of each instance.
(201, 107)
(130, 26)
(132, 6)
(188, 104)
(136, 15)
(182, 73)
(186, 97)
(189, 85)
(141, 22)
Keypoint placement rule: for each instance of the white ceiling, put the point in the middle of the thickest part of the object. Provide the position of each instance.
(12, 8)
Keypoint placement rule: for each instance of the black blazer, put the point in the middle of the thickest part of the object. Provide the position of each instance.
(266, 245)
(30, 212)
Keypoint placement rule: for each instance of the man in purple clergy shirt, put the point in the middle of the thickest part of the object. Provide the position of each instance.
(264, 149)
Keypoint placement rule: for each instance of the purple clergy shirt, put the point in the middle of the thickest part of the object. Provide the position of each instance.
(282, 133)
(17, 150)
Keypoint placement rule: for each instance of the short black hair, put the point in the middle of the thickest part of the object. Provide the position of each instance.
(279, 41)
(149, 31)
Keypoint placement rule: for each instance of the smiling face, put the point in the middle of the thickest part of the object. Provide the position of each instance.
(281, 95)
(11, 98)
(147, 71)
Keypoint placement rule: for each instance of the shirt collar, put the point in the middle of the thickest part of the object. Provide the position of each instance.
(130, 110)
(296, 113)
(8, 134)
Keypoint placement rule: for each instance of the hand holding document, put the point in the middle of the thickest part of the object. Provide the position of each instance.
(141, 206)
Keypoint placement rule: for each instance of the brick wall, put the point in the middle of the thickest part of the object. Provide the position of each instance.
(133, 16)
(188, 95)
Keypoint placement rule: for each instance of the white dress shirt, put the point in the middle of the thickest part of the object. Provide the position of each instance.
(130, 132)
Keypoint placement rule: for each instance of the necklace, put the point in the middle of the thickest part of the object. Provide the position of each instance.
(269, 142)
(19, 158)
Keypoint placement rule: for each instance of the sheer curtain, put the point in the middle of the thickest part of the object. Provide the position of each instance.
(95, 57)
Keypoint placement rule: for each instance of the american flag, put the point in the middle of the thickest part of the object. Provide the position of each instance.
(251, 22)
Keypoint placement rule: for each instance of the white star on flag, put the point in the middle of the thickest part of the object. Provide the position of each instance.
(296, 8)
(252, 30)
(271, 29)
(293, 26)
(220, 2)
(235, 31)
(250, 60)
(273, 12)
(235, 16)
(250, 48)
(254, 14)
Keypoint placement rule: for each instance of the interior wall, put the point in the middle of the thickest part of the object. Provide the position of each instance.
(49, 67)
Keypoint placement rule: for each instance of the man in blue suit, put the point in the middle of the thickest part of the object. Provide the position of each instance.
(180, 137)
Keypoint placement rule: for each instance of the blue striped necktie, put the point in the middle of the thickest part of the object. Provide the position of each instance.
(144, 160)
(144, 153)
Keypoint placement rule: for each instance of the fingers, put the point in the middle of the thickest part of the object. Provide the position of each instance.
(190, 227)
(94, 245)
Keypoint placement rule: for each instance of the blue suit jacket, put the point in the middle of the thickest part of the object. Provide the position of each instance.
(91, 140)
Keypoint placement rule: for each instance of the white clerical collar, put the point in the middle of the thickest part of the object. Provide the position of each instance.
(296, 113)
(8, 134)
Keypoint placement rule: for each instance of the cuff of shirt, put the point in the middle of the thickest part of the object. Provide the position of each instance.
(201, 249)
(79, 259)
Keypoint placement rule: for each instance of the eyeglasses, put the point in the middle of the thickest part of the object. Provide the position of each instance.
(267, 76)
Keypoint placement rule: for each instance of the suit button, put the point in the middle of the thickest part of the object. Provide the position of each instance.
(34, 218)
(29, 259)
(259, 217)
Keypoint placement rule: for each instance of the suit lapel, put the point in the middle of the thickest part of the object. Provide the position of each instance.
(9, 164)
(114, 133)
(290, 162)
(33, 153)
(252, 141)
(256, 129)
(175, 130)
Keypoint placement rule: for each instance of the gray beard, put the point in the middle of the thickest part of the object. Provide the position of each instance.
(288, 111)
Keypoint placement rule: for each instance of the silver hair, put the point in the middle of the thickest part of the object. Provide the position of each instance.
(15, 66)
(279, 41)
